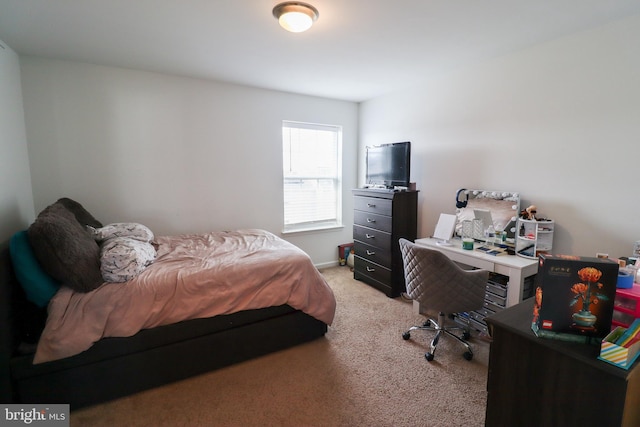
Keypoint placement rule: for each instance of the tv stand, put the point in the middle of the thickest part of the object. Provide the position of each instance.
(381, 217)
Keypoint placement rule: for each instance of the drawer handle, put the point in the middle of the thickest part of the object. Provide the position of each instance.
(371, 205)
(371, 220)
(370, 270)
(370, 252)
(369, 236)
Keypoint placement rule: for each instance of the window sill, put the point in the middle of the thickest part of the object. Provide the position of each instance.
(313, 229)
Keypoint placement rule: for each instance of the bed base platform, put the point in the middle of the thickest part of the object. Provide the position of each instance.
(117, 367)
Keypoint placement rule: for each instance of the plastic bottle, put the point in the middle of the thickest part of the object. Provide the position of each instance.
(491, 235)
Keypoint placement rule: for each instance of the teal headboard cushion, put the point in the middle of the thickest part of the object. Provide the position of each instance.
(38, 286)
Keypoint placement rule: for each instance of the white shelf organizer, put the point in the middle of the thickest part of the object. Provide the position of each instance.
(533, 237)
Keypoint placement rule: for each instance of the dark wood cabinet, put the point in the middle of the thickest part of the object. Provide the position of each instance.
(545, 382)
(380, 219)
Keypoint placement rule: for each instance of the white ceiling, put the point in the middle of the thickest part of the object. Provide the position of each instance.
(357, 50)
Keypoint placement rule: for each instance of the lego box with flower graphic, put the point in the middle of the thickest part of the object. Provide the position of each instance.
(574, 297)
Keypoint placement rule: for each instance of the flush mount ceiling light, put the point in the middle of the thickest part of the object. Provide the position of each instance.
(295, 16)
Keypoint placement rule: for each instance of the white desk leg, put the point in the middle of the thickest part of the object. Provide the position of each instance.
(516, 284)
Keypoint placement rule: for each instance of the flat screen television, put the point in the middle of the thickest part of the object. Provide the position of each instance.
(388, 165)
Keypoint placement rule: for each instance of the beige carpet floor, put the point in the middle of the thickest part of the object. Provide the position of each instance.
(362, 373)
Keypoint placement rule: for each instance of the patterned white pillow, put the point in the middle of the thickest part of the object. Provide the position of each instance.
(121, 229)
(123, 258)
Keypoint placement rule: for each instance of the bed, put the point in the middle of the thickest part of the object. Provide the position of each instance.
(212, 300)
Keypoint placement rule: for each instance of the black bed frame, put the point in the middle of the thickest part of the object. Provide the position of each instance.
(116, 367)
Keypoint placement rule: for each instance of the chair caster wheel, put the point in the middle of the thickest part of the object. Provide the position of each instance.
(406, 336)
(466, 335)
(468, 355)
(428, 356)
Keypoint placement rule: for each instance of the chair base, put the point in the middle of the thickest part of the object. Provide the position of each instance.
(442, 330)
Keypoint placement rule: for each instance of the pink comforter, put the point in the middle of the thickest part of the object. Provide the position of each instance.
(194, 276)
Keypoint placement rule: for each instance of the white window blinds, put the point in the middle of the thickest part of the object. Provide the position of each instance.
(312, 165)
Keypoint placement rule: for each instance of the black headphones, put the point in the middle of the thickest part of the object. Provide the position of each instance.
(461, 203)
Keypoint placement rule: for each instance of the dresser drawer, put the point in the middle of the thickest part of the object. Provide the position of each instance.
(373, 205)
(368, 219)
(373, 254)
(372, 270)
(373, 237)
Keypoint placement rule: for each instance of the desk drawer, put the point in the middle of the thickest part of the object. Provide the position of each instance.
(478, 317)
(373, 237)
(483, 312)
(373, 205)
(491, 306)
(373, 254)
(497, 289)
(372, 220)
(372, 270)
(495, 299)
(480, 326)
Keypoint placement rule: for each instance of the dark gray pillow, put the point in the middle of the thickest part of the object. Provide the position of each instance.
(81, 214)
(65, 249)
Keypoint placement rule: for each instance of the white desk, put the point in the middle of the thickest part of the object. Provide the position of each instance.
(517, 268)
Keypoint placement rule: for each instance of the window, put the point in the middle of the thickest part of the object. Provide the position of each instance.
(312, 165)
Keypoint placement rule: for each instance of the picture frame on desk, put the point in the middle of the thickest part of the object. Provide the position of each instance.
(444, 229)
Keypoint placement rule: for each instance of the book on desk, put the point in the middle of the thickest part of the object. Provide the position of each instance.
(493, 249)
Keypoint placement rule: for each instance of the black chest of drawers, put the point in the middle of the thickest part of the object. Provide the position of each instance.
(380, 219)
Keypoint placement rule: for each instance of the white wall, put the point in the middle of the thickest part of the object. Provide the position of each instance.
(180, 155)
(16, 200)
(559, 123)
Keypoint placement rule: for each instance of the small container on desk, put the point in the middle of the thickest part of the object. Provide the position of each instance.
(626, 306)
(533, 237)
(618, 355)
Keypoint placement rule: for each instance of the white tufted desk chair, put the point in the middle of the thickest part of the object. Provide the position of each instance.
(441, 285)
